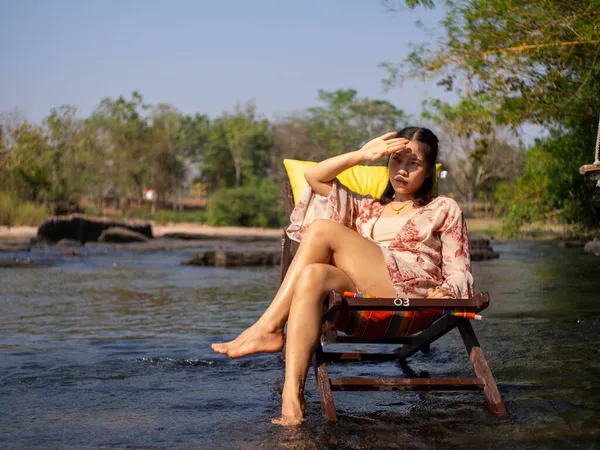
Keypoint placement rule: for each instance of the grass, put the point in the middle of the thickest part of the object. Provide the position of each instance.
(537, 230)
(14, 212)
(166, 216)
(490, 226)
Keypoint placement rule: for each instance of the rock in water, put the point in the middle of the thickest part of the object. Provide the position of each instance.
(119, 234)
(14, 246)
(68, 243)
(593, 247)
(15, 262)
(85, 229)
(229, 258)
(480, 248)
(572, 243)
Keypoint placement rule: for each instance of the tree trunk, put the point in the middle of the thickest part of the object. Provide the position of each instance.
(238, 172)
(470, 203)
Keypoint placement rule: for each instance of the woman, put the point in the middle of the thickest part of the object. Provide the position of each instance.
(407, 245)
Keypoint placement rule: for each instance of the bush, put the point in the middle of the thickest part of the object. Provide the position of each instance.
(8, 209)
(551, 186)
(165, 216)
(257, 204)
(91, 209)
(13, 212)
(31, 214)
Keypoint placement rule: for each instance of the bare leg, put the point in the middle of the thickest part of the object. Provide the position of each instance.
(303, 333)
(324, 242)
(358, 263)
(266, 335)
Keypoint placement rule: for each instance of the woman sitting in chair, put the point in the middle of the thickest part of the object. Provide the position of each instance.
(405, 244)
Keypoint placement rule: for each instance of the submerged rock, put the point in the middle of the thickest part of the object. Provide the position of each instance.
(15, 262)
(119, 234)
(232, 258)
(225, 237)
(572, 243)
(10, 247)
(85, 229)
(593, 247)
(480, 248)
(68, 243)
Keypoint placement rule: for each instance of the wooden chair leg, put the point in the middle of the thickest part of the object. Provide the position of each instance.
(323, 385)
(482, 369)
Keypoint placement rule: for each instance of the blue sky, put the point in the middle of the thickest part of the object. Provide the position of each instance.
(203, 56)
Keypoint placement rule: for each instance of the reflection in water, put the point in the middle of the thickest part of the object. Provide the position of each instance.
(113, 350)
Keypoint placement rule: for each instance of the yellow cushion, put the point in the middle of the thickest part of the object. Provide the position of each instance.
(364, 180)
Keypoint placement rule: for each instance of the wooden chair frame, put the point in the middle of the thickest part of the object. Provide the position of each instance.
(484, 380)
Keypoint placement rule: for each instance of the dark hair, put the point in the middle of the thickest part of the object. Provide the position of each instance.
(429, 146)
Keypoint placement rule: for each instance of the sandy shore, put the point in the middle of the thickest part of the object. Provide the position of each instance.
(20, 234)
(17, 233)
(198, 228)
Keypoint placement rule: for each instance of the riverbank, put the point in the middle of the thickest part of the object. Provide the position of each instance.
(24, 233)
(488, 226)
(17, 234)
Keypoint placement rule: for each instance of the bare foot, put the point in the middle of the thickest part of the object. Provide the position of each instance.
(287, 421)
(293, 407)
(258, 338)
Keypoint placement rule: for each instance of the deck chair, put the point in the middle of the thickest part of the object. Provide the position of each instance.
(360, 179)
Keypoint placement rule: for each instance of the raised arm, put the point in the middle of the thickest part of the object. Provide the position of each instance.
(320, 176)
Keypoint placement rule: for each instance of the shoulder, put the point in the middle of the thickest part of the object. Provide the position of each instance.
(448, 213)
(447, 204)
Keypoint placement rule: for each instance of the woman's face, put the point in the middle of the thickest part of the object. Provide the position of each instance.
(408, 169)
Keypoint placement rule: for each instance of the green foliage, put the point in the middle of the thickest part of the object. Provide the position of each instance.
(237, 148)
(14, 212)
(257, 204)
(345, 121)
(477, 152)
(532, 62)
(537, 60)
(8, 209)
(165, 216)
(90, 209)
(31, 214)
(395, 4)
(551, 186)
(26, 168)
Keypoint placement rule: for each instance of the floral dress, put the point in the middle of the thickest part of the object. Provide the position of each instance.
(431, 249)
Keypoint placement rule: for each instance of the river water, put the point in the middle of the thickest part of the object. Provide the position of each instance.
(111, 349)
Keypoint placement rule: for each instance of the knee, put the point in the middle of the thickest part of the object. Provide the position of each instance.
(312, 278)
(321, 229)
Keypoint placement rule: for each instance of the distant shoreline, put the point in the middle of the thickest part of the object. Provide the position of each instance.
(491, 227)
(24, 233)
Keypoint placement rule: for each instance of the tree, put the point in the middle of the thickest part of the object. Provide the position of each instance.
(534, 62)
(68, 159)
(167, 172)
(26, 159)
(291, 139)
(551, 186)
(193, 136)
(477, 154)
(128, 147)
(237, 148)
(538, 60)
(345, 121)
